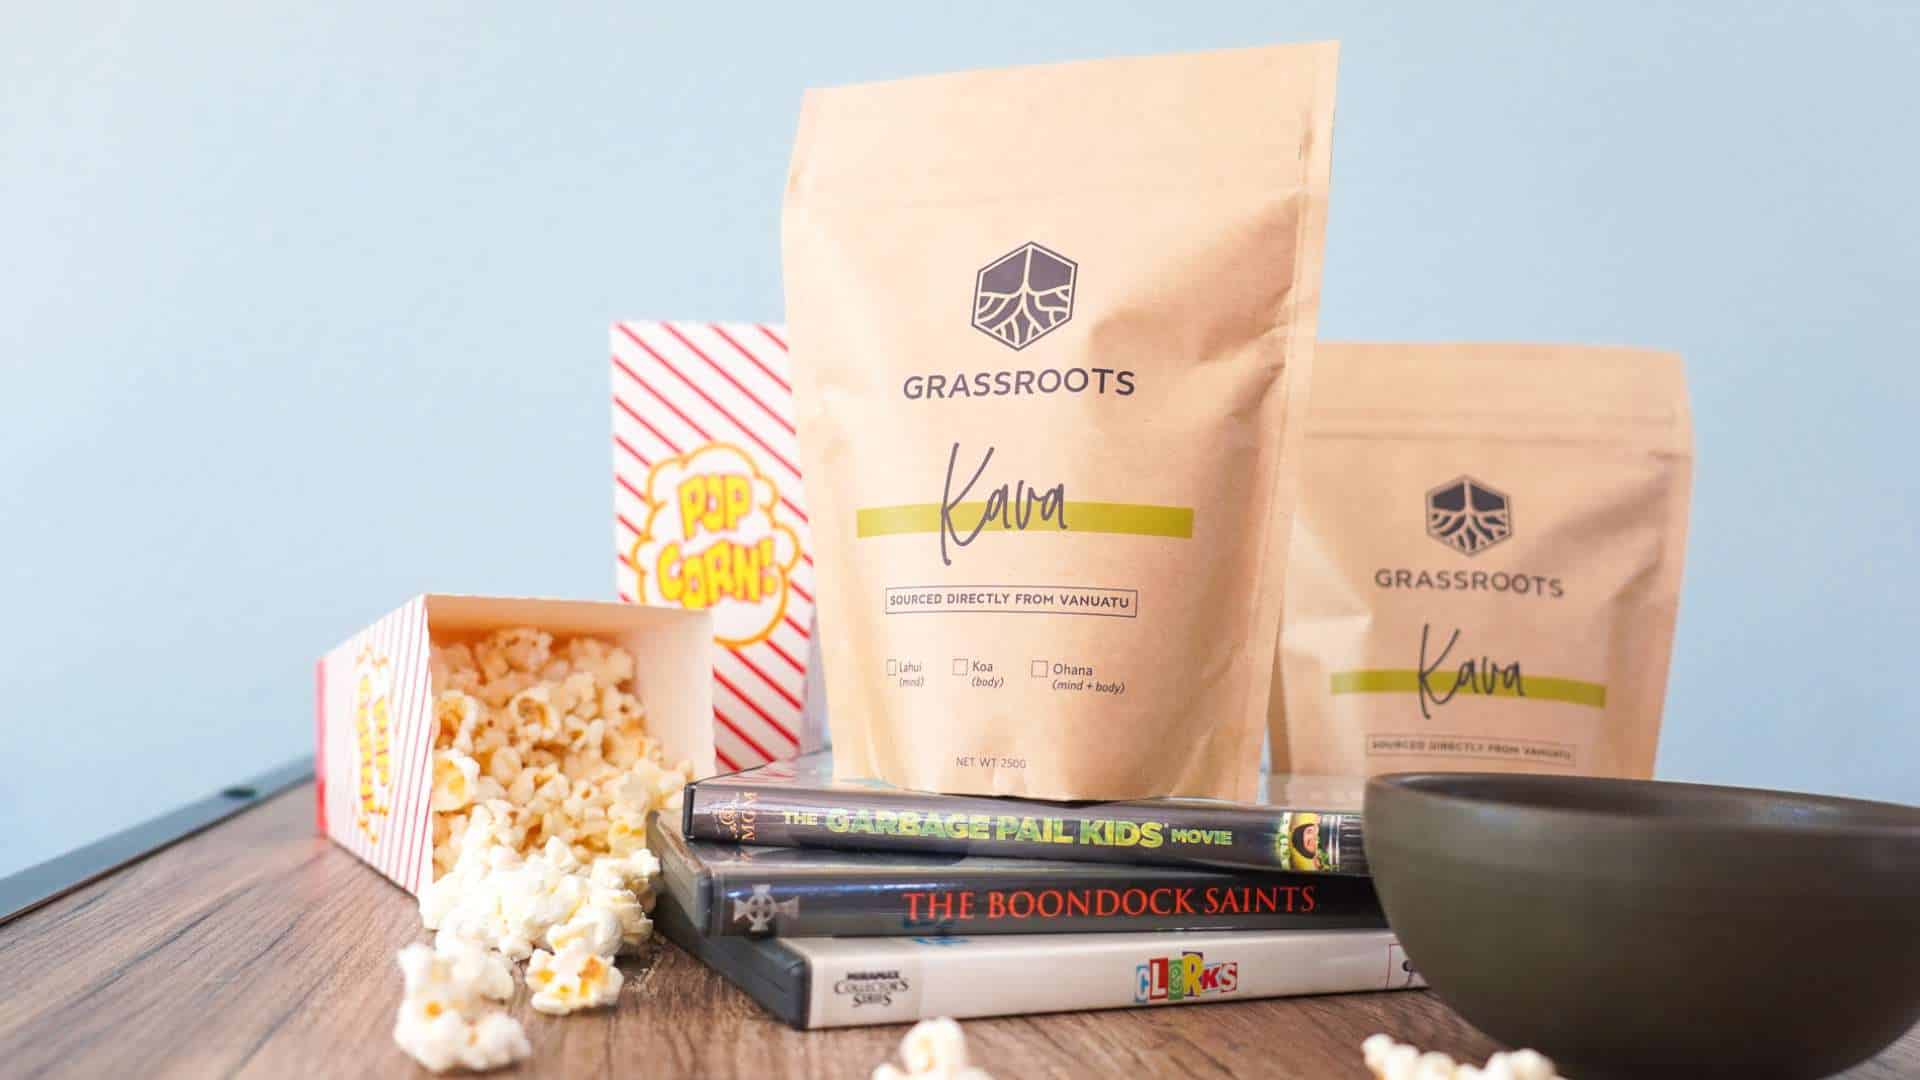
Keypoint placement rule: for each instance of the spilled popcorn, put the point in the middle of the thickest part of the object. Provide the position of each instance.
(445, 1021)
(496, 899)
(933, 1048)
(543, 777)
(577, 978)
(1391, 1060)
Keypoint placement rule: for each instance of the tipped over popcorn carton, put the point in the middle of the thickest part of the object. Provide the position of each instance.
(709, 515)
(565, 719)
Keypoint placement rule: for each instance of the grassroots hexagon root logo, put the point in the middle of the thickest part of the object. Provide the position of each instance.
(1468, 516)
(1024, 295)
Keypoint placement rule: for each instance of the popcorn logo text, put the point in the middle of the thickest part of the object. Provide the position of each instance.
(373, 740)
(1179, 978)
(713, 541)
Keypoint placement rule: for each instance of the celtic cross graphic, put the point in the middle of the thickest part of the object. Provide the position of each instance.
(760, 908)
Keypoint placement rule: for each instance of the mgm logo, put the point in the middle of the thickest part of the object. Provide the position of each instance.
(1468, 516)
(1024, 295)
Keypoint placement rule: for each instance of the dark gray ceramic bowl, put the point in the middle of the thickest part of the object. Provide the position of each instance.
(1639, 928)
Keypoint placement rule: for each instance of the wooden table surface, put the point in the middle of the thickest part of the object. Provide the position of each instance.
(258, 948)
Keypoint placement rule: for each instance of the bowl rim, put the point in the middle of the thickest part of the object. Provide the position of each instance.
(1416, 785)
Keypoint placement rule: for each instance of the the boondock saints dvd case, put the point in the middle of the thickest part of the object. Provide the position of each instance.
(1306, 824)
(845, 982)
(730, 889)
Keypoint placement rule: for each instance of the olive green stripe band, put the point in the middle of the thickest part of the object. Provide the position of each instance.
(1441, 683)
(1134, 519)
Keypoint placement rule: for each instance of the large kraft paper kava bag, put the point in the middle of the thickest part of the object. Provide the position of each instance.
(1486, 558)
(1051, 332)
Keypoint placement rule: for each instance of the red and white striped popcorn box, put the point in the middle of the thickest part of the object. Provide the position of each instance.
(709, 515)
(373, 710)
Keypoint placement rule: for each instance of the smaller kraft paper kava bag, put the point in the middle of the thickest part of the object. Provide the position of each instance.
(1051, 332)
(1486, 559)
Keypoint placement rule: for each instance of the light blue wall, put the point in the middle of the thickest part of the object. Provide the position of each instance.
(304, 312)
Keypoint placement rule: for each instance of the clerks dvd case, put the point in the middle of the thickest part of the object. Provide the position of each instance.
(823, 982)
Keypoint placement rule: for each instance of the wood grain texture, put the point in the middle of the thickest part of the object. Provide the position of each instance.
(259, 949)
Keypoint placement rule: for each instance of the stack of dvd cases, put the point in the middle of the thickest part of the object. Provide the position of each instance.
(836, 904)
